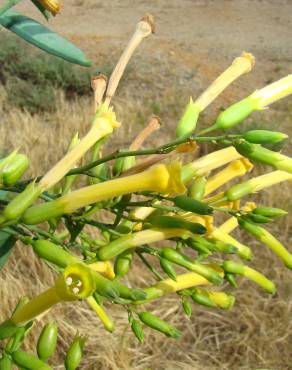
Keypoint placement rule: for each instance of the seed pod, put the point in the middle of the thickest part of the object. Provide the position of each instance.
(168, 268)
(28, 361)
(182, 260)
(264, 136)
(269, 212)
(192, 205)
(187, 307)
(5, 363)
(75, 353)
(158, 324)
(137, 330)
(188, 122)
(197, 189)
(53, 253)
(47, 341)
(123, 264)
(15, 169)
(171, 222)
(7, 329)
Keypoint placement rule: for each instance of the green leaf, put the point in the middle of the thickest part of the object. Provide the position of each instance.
(6, 244)
(43, 38)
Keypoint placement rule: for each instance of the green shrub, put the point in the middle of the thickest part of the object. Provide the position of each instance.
(31, 76)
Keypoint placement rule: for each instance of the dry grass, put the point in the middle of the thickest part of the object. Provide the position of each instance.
(255, 334)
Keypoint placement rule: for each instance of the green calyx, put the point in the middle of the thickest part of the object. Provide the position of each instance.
(188, 121)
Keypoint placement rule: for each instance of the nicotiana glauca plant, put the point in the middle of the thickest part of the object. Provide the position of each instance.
(153, 196)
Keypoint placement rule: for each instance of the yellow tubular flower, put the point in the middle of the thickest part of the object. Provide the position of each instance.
(183, 281)
(136, 239)
(53, 6)
(104, 268)
(236, 168)
(273, 92)
(228, 226)
(239, 66)
(209, 162)
(100, 312)
(243, 251)
(160, 178)
(75, 283)
(256, 184)
(103, 124)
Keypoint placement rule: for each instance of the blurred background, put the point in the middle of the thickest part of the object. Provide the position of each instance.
(45, 101)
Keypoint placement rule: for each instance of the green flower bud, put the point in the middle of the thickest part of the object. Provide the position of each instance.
(21, 202)
(231, 279)
(123, 264)
(168, 268)
(15, 169)
(5, 363)
(158, 324)
(182, 260)
(266, 156)
(187, 307)
(235, 114)
(264, 137)
(123, 164)
(269, 212)
(197, 189)
(75, 353)
(202, 299)
(238, 191)
(53, 253)
(28, 361)
(258, 219)
(192, 205)
(47, 341)
(188, 122)
(171, 222)
(137, 330)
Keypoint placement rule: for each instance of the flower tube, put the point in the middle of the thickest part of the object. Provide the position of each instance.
(160, 178)
(269, 240)
(134, 240)
(209, 162)
(236, 168)
(258, 100)
(243, 251)
(183, 281)
(239, 66)
(75, 283)
(250, 273)
(256, 184)
(103, 124)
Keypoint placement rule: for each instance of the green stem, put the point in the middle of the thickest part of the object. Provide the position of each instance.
(166, 148)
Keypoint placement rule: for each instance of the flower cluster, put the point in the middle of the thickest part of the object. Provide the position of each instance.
(157, 199)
